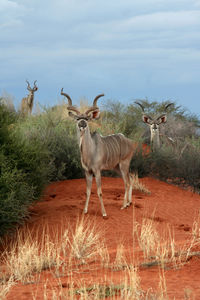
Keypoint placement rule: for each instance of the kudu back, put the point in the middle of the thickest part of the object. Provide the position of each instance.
(101, 152)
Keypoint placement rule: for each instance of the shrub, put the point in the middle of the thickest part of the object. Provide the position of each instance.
(59, 139)
(188, 167)
(24, 170)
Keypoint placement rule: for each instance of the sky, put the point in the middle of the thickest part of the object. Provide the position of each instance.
(126, 49)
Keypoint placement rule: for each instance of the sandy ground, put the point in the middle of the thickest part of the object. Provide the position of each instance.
(167, 206)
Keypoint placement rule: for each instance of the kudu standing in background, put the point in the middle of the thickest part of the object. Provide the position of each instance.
(27, 102)
(154, 124)
(101, 152)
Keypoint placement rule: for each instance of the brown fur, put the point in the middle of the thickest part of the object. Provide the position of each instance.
(27, 102)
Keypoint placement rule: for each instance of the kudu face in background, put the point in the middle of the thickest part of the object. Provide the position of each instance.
(27, 102)
(154, 124)
(101, 152)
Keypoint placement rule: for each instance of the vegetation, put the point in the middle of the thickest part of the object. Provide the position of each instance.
(33, 152)
(69, 255)
(24, 171)
(43, 148)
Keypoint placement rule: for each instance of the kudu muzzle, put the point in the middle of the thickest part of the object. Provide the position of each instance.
(82, 124)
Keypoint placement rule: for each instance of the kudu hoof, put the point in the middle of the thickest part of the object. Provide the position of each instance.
(125, 206)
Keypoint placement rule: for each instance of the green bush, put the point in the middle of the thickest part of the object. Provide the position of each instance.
(180, 165)
(188, 167)
(59, 139)
(16, 195)
(24, 170)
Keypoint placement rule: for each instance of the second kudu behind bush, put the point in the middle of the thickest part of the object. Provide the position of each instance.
(154, 125)
(101, 152)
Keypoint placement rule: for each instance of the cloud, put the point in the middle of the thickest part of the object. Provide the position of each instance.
(11, 13)
(162, 21)
(109, 44)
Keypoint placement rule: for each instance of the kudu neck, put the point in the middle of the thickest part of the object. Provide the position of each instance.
(155, 138)
(85, 140)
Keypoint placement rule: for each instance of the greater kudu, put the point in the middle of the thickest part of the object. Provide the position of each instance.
(154, 124)
(101, 152)
(27, 102)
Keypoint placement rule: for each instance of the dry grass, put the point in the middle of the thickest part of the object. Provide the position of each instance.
(85, 240)
(161, 249)
(83, 245)
(196, 230)
(104, 256)
(157, 249)
(5, 286)
(29, 256)
(137, 185)
(120, 260)
(147, 237)
(128, 288)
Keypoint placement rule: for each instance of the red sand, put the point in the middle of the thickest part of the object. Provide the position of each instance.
(174, 207)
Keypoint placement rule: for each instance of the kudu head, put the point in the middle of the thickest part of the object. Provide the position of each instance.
(92, 113)
(154, 123)
(32, 90)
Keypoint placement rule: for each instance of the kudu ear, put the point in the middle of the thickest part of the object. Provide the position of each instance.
(95, 115)
(162, 119)
(146, 119)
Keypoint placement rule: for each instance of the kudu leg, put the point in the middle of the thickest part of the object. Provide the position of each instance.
(130, 190)
(124, 168)
(89, 178)
(99, 192)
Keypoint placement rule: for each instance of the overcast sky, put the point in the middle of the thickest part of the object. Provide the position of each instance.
(126, 49)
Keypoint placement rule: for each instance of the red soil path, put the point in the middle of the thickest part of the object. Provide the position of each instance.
(168, 205)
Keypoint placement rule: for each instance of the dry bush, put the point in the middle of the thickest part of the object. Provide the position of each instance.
(85, 240)
(177, 128)
(5, 286)
(104, 256)
(65, 243)
(157, 249)
(120, 259)
(196, 230)
(137, 185)
(28, 256)
(148, 238)
(161, 249)
(132, 289)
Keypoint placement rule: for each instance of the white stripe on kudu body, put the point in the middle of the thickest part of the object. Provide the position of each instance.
(101, 153)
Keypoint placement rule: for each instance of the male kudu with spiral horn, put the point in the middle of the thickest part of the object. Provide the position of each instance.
(27, 102)
(101, 152)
